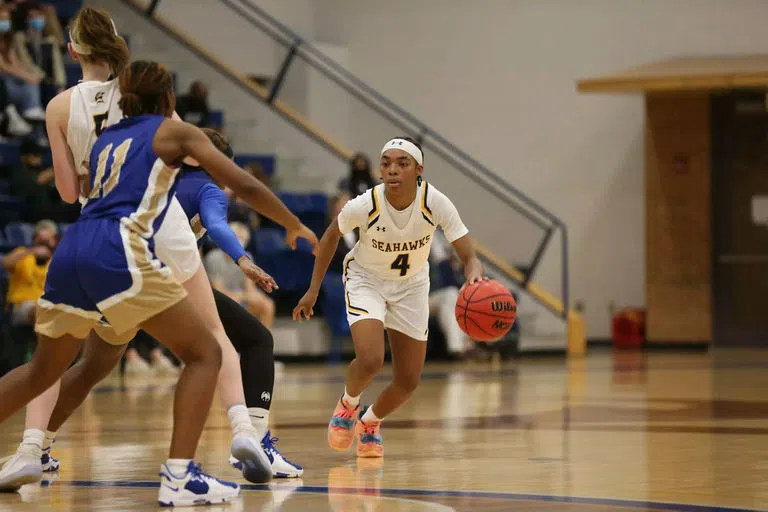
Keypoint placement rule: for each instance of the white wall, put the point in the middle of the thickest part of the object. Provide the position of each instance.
(497, 78)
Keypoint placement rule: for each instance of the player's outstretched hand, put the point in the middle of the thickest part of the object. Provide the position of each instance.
(305, 308)
(256, 274)
(302, 232)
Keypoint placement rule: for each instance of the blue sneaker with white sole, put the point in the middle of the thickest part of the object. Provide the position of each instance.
(281, 467)
(48, 462)
(193, 488)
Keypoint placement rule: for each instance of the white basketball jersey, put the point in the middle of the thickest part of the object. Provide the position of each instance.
(92, 108)
(392, 252)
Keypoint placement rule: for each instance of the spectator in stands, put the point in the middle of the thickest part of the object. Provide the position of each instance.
(239, 211)
(360, 177)
(38, 48)
(11, 122)
(21, 82)
(28, 267)
(193, 106)
(226, 276)
(33, 182)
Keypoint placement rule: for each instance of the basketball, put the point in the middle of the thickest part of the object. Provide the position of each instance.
(486, 310)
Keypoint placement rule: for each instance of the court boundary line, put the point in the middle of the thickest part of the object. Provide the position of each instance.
(547, 498)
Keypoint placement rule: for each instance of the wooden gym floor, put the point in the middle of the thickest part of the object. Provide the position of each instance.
(615, 432)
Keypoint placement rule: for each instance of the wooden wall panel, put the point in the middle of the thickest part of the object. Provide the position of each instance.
(678, 218)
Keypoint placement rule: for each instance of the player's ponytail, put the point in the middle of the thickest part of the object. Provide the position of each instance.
(146, 88)
(94, 38)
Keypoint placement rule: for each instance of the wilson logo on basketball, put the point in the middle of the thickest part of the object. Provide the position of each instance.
(498, 324)
(498, 305)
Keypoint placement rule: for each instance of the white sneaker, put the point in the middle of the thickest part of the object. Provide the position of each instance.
(256, 466)
(137, 366)
(164, 366)
(34, 114)
(193, 488)
(22, 468)
(17, 126)
(281, 467)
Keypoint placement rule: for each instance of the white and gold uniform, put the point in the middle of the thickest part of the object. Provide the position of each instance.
(93, 107)
(386, 274)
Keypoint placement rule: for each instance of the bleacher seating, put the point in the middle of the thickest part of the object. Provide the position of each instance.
(291, 269)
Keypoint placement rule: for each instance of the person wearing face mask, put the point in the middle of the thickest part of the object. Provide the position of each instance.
(21, 81)
(37, 47)
(27, 267)
(359, 178)
(33, 183)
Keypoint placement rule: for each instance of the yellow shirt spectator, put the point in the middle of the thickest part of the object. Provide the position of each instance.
(27, 280)
(28, 267)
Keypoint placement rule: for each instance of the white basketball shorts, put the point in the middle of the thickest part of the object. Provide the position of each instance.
(400, 305)
(176, 245)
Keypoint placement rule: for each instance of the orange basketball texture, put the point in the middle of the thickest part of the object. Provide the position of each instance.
(486, 310)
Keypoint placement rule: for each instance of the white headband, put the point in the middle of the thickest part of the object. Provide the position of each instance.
(83, 50)
(407, 146)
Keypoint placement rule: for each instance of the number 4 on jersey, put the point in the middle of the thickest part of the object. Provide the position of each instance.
(401, 264)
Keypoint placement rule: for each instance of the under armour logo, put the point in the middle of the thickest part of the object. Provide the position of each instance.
(99, 98)
(265, 396)
(381, 228)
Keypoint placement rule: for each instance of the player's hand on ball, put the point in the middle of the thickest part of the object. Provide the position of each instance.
(474, 278)
(256, 274)
(302, 231)
(305, 308)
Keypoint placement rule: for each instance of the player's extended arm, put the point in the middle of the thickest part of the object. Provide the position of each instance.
(325, 251)
(473, 267)
(213, 215)
(64, 168)
(175, 140)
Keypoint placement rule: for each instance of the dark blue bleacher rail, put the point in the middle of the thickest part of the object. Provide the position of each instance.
(492, 183)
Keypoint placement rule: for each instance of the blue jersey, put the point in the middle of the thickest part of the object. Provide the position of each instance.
(128, 181)
(205, 205)
(105, 266)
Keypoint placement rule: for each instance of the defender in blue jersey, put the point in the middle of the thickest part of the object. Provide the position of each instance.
(107, 270)
(205, 204)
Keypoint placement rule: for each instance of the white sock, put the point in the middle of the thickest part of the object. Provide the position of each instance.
(351, 400)
(369, 417)
(238, 417)
(259, 419)
(178, 467)
(49, 438)
(34, 436)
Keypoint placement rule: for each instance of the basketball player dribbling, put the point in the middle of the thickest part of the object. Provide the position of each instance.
(386, 278)
(75, 118)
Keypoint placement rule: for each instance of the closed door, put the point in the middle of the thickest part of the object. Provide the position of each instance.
(740, 241)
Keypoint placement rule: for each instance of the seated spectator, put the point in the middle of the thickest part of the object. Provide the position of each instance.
(193, 106)
(444, 291)
(359, 178)
(239, 211)
(11, 122)
(226, 276)
(38, 47)
(35, 185)
(27, 267)
(21, 82)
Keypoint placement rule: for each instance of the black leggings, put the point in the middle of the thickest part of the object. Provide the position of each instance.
(254, 343)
